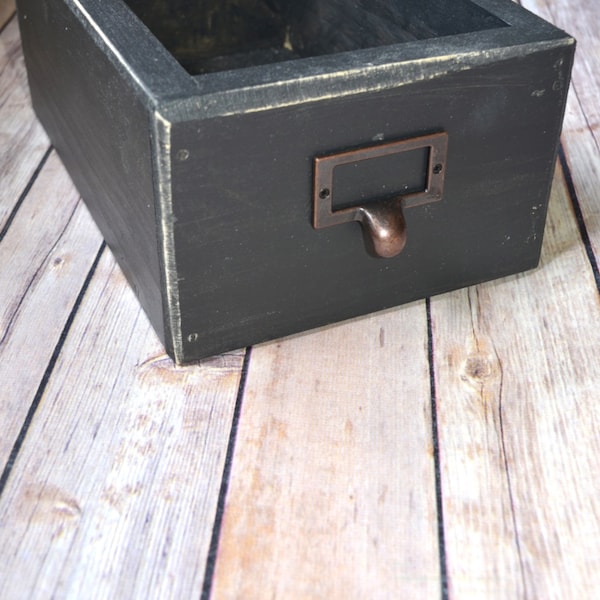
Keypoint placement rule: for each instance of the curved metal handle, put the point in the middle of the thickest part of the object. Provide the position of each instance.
(385, 225)
(382, 220)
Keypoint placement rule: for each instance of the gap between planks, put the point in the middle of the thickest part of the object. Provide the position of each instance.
(47, 253)
(474, 317)
(143, 441)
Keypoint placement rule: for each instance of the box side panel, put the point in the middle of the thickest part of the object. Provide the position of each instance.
(251, 266)
(97, 120)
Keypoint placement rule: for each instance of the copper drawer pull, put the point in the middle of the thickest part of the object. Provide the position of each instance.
(382, 219)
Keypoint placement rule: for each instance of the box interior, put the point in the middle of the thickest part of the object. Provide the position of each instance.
(216, 35)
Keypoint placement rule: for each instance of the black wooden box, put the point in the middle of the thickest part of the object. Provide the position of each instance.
(261, 167)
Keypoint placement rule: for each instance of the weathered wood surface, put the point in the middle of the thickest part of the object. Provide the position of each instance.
(111, 461)
(581, 130)
(518, 374)
(517, 377)
(113, 458)
(45, 256)
(335, 436)
(116, 484)
(22, 137)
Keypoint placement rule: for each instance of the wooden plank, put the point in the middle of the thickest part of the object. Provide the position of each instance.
(92, 106)
(66, 486)
(580, 19)
(517, 376)
(86, 504)
(116, 485)
(24, 141)
(45, 257)
(581, 131)
(517, 413)
(7, 10)
(332, 488)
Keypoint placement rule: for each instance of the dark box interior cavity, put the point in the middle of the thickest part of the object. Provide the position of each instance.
(217, 35)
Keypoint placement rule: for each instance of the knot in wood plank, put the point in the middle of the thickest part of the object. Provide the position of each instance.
(478, 367)
(49, 504)
(481, 368)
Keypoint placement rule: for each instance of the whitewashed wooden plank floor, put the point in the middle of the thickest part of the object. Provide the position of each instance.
(448, 448)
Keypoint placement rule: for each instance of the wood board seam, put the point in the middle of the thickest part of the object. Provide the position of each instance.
(584, 114)
(509, 483)
(213, 549)
(33, 279)
(570, 183)
(579, 218)
(501, 436)
(24, 193)
(47, 375)
(443, 563)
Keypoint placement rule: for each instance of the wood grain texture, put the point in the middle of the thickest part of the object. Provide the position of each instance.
(581, 131)
(116, 485)
(332, 494)
(517, 372)
(45, 257)
(97, 119)
(518, 376)
(22, 139)
(332, 490)
(519, 453)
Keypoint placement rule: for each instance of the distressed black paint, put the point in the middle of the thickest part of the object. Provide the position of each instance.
(202, 185)
(221, 34)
